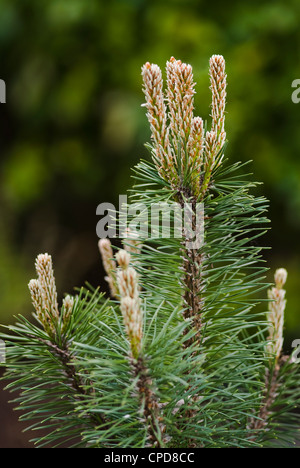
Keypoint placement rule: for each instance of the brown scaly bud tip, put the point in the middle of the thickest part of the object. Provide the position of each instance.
(106, 254)
(196, 143)
(276, 314)
(43, 264)
(218, 80)
(109, 264)
(218, 75)
(280, 277)
(36, 296)
(153, 85)
(46, 279)
(153, 90)
(210, 148)
(123, 258)
(180, 92)
(68, 304)
(128, 282)
(156, 113)
(40, 306)
(151, 74)
(217, 62)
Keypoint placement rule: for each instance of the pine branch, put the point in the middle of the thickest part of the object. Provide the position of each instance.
(50, 347)
(264, 425)
(130, 304)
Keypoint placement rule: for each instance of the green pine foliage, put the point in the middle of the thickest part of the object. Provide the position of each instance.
(198, 374)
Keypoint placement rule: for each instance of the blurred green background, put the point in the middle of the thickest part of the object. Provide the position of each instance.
(73, 125)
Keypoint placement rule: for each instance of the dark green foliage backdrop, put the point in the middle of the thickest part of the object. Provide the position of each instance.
(73, 127)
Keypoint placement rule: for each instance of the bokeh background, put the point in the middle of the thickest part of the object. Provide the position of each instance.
(73, 127)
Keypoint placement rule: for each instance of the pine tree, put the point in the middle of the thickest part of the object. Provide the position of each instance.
(180, 353)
